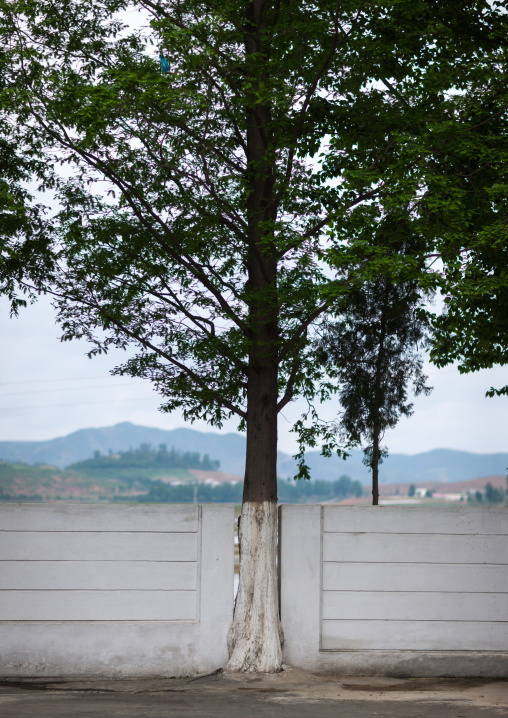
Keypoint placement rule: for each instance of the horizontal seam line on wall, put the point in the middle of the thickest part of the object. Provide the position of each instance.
(412, 620)
(401, 590)
(99, 531)
(416, 563)
(59, 621)
(396, 563)
(407, 533)
(412, 650)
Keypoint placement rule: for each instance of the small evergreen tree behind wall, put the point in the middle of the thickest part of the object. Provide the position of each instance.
(373, 349)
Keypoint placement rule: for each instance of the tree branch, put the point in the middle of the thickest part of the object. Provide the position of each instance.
(157, 350)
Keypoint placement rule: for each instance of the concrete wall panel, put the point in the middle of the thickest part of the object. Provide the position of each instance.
(98, 605)
(114, 590)
(395, 590)
(99, 575)
(97, 546)
(401, 519)
(415, 635)
(415, 577)
(87, 517)
(415, 548)
(414, 606)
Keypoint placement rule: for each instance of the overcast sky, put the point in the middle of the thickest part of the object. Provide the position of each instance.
(49, 389)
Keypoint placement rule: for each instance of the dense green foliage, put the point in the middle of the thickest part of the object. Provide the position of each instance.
(473, 329)
(25, 237)
(160, 492)
(317, 490)
(145, 457)
(288, 491)
(492, 495)
(443, 172)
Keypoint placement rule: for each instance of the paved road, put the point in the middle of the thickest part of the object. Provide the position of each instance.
(295, 694)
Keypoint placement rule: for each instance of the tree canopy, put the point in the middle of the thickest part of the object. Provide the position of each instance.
(408, 100)
(473, 328)
(25, 239)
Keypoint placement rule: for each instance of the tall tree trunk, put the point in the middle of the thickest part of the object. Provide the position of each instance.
(378, 399)
(255, 640)
(375, 468)
(256, 635)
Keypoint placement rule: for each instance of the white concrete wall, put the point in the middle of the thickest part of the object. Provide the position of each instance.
(395, 590)
(114, 590)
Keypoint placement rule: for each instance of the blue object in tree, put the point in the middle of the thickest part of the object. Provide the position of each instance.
(164, 64)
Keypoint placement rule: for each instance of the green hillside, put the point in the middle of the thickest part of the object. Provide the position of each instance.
(126, 474)
(22, 482)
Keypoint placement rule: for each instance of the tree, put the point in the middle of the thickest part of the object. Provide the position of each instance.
(24, 231)
(192, 223)
(494, 495)
(373, 351)
(412, 490)
(459, 155)
(473, 242)
(473, 329)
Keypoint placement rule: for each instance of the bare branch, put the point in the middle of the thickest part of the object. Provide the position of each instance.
(293, 343)
(132, 197)
(289, 393)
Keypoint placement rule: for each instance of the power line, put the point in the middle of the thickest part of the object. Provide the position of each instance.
(49, 381)
(71, 388)
(57, 406)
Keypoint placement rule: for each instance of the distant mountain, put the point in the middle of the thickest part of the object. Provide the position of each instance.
(442, 465)
(229, 449)
(439, 465)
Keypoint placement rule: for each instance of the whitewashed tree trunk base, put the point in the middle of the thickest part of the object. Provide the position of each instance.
(255, 637)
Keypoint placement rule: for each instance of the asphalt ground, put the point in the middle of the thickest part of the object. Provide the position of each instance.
(293, 693)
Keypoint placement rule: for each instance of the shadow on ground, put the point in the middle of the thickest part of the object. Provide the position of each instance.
(294, 693)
